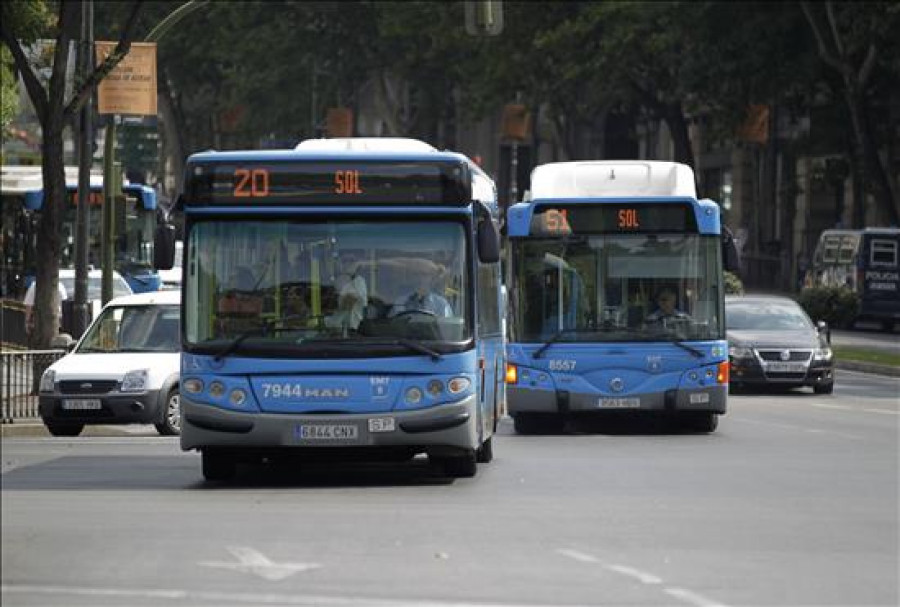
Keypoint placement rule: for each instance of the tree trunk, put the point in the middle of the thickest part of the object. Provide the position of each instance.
(46, 310)
(678, 128)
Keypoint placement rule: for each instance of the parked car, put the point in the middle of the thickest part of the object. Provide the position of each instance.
(773, 342)
(67, 285)
(124, 370)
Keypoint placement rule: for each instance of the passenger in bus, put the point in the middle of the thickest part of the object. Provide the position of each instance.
(666, 301)
(424, 298)
(353, 295)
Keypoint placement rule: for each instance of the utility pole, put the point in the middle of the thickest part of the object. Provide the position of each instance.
(85, 153)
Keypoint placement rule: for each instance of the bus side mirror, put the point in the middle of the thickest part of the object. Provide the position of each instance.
(488, 239)
(730, 255)
(164, 247)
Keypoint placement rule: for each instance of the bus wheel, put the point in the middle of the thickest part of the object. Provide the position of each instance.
(485, 452)
(217, 465)
(459, 466)
(64, 429)
(525, 423)
(701, 421)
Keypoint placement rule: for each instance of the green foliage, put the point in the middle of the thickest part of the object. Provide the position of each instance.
(838, 306)
(733, 284)
(9, 91)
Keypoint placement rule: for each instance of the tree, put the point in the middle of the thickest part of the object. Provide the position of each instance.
(9, 91)
(851, 42)
(24, 22)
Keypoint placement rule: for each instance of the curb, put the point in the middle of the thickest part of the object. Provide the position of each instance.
(35, 428)
(873, 368)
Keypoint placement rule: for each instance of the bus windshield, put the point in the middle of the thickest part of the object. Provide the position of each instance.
(359, 288)
(609, 288)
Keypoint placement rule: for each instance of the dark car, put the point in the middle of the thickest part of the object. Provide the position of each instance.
(772, 342)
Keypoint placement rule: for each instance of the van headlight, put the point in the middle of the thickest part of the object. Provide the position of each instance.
(822, 354)
(48, 380)
(135, 381)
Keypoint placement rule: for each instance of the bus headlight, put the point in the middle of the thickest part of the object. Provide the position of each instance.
(135, 381)
(458, 384)
(192, 386)
(48, 380)
(217, 389)
(413, 395)
(435, 387)
(237, 397)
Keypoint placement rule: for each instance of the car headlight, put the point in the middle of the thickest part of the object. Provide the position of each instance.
(48, 380)
(822, 354)
(135, 381)
(740, 352)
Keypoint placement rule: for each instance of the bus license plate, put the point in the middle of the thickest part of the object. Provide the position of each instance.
(326, 432)
(620, 403)
(81, 404)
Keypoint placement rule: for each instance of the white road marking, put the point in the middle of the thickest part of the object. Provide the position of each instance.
(641, 576)
(255, 562)
(691, 597)
(644, 577)
(882, 411)
(793, 428)
(225, 598)
(830, 406)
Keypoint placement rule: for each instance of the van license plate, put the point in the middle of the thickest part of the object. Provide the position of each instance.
(81, 404)
(326, 432)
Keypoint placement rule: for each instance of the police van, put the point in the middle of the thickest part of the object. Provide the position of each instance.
(867, 261)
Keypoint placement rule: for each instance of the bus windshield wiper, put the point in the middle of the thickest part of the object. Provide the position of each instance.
(416, 346)
(553, 339)
(233, 344)
(694, 351)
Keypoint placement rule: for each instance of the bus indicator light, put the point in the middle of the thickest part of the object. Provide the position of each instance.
(512, 374)
(347, 182)
(628, 219)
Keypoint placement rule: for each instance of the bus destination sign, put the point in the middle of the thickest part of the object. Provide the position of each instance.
(613, 218)
(314, 183)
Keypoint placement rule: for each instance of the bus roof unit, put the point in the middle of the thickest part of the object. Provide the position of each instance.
(612, 178)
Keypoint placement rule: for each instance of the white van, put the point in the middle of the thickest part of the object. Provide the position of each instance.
(124, 369)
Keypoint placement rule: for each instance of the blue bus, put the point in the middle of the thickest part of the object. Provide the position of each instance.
(341, 299)
(616, 296)
(136, 220)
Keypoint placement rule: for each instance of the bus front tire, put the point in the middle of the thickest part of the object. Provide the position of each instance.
(218, 465)
(458, 466)
(700, 421)
(485, 452)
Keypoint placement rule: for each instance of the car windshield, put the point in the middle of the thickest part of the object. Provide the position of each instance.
(150, 328)
(616, 288)
(357, 285)
(766, 316)
(95, 286)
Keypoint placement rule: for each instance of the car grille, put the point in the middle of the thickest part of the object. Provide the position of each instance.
(87, 386)
(795, 355)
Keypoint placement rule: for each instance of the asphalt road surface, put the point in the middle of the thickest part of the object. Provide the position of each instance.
(793, 501)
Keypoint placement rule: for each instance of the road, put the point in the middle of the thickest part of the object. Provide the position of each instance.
(793, 501)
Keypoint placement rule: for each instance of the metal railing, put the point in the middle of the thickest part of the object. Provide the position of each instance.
(20, 376)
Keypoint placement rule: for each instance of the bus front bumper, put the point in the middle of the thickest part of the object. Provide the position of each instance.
(451, 425)
(527, 400)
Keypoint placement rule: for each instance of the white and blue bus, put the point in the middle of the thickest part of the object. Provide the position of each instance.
(136, 220)
(615, 296)
(341, 299)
